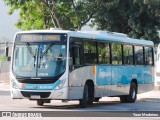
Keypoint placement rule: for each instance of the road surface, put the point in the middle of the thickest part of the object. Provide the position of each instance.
(146, 103)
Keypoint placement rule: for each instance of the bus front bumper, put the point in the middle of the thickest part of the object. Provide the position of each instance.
(39, 94)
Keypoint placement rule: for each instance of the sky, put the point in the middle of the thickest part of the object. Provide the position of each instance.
(7, 27)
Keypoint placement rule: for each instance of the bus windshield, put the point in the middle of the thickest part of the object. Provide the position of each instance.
(39, 59)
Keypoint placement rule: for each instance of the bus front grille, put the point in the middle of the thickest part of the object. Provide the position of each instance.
(41, 94)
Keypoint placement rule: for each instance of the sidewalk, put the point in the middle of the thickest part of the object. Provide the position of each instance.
(150, 94)
(4, 86)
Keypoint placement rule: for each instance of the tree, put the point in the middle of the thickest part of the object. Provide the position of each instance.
(40, 14)
(136, 18)
(33, 15)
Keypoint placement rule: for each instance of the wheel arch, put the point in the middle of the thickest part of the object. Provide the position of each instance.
(89, 81)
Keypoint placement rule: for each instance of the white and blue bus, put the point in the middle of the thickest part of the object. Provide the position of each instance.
(77, 65)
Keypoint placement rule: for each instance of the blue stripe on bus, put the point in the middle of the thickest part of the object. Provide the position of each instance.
(122, 74)
(40, 86)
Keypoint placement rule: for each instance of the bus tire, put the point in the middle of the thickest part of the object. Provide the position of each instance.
(96, 99)
(131, 98)
(40, 102)
(83, 101)
(88, 95)
(123, 99)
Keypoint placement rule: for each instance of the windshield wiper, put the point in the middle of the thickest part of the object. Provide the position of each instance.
(47, 48)
(45, 51)
(31, 52)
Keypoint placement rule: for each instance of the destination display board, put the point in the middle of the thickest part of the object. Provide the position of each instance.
(38, 37)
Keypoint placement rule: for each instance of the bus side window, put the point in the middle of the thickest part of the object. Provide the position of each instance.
(128, 54)
(90, 52)
(116, 54)
(148, 56)
(139, 55)
(104, 53)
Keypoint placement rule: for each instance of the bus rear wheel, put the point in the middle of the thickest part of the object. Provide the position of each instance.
(88, 95)
(131, 98)
(40, 102)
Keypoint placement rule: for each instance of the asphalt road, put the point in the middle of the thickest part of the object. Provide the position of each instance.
(4, 93)
(147, 103)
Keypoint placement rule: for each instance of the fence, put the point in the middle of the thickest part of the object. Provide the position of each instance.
(5, 51)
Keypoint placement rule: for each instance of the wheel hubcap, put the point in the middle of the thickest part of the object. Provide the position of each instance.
(133, 93)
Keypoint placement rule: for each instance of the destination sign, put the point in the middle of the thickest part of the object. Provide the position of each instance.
(38, 37)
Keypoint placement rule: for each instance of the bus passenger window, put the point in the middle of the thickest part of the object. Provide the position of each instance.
(148, 56)
(116, 54)
(128, 54)
(104, 53)
(90, 52)
(138, 55)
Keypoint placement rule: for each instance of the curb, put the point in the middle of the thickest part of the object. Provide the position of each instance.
(157, 88)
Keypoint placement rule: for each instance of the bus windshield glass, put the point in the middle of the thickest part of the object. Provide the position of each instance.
(39, 59)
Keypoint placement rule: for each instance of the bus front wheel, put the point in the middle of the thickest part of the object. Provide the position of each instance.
(88, 95)
(40, 102)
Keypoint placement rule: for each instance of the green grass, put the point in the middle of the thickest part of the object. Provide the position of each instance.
(2, 57)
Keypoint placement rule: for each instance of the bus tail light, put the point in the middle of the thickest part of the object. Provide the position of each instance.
(60, 85)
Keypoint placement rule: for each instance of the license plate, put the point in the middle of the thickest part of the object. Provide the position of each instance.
(35, 97)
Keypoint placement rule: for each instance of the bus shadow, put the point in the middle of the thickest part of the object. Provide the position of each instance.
(76, 106)
(97, 105)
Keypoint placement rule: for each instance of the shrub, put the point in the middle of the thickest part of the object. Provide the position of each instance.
(2, 57)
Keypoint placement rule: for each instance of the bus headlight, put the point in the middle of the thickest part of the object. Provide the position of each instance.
(13, 83)
(60, 85)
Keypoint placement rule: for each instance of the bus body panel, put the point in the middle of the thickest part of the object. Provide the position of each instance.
(75, 92)
(110, 80)
(78, 78)
(103, 80)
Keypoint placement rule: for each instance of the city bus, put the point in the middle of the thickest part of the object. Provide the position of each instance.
(80, 65)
